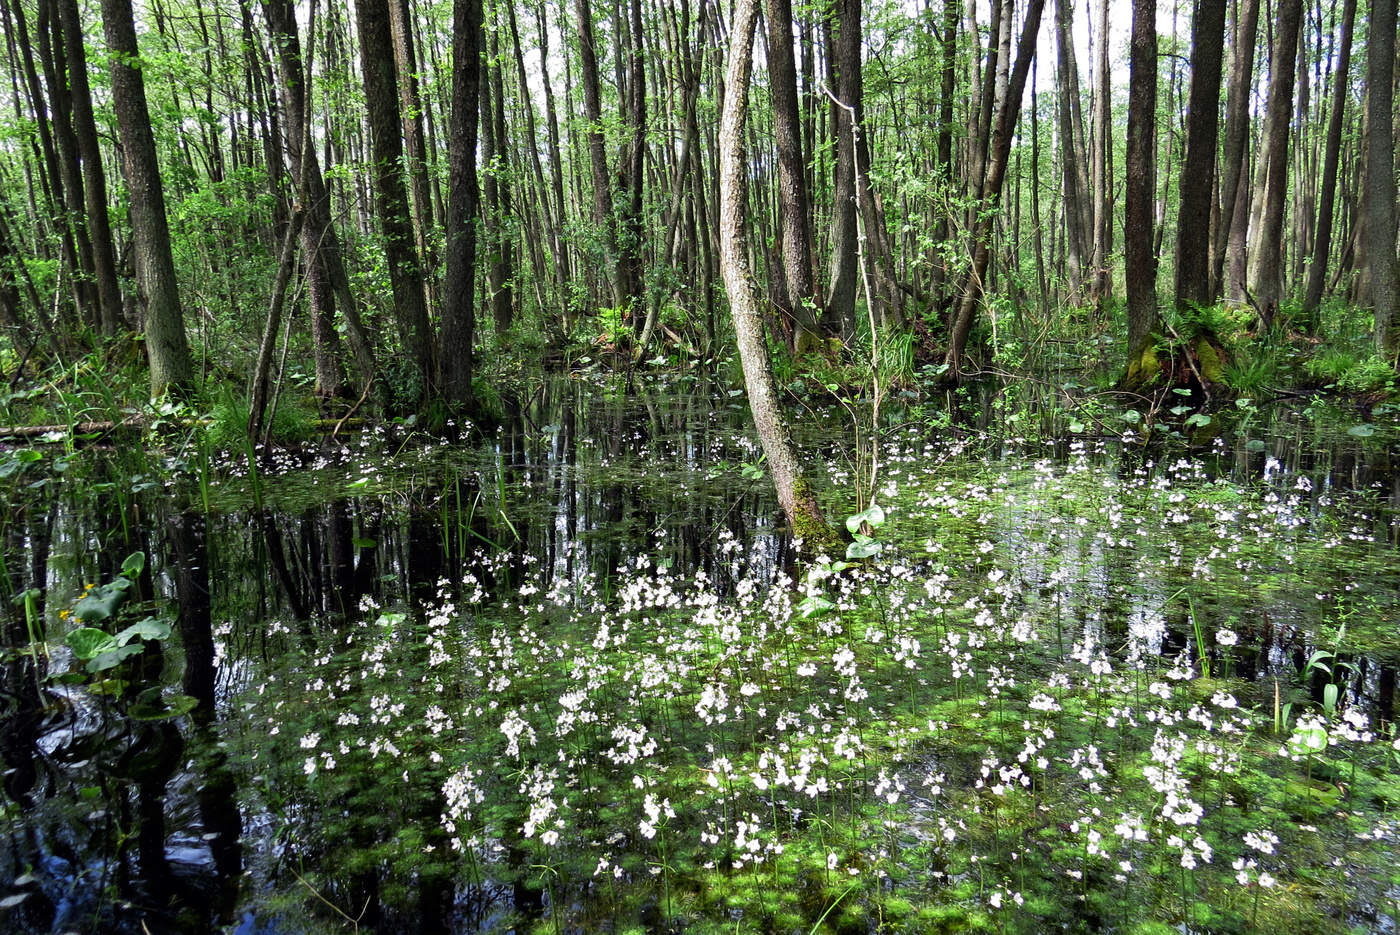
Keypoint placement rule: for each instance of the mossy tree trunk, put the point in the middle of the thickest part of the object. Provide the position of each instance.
(794, 492)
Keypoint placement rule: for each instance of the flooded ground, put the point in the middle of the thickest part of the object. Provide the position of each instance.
(574, 679)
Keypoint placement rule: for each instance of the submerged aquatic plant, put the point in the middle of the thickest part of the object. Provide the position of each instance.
(1010, 726)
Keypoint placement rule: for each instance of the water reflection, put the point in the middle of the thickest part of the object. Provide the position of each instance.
(143, 825)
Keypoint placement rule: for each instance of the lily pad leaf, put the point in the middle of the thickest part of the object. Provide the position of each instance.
(1199, 418)
(1254, 444)
(1364, 430)
(814, 604)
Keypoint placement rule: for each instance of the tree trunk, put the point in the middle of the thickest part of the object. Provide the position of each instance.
(1078, 219)
(51, 54)
(1379, 185)
(1140, 274)
(459, 291)
(1000, 152)
(1102, 168)
(1266, 261)
(412, 106)
(94, 179)
(1322, 242)
(597, 152)
(166, 346)
(327, 282)
(386, 146)
(1198, 169)
(794, 208)
(794, 492)
(1233, 178)
(840, 302)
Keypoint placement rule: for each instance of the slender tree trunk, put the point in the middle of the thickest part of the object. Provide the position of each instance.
(794, 492)
(1198, 169)
(94, 179)
(411, 108)
(845, 59)
(166, 346)
(942, 275)
(328, 285)
(257, 402)
(386, 145)
(794, 208)
(1000, 152)
(51, 55)
(1379, 184)
(1140, 274)
(1102, 166)
(603, 215)
(1233, 178)
(1322, 241)
(459, 291)
(1078, 219)
(1266, 261)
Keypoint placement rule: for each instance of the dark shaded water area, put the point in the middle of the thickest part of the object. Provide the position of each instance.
(131, 805)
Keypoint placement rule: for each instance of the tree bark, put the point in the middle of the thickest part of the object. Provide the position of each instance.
(1266, 261)
(1233, 178)
(1140, 274)
(1102, 168)
(1379, 184)
(1198, 169)
(1078, 219)
(794, 493)
(109, 291)
(794, 207)
(1322, 242)
(1000, 152)
(459, 291)
(840, 302)
(411, 108)
(166, 346)
(386, 147)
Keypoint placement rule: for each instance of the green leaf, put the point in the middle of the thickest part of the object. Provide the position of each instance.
(864, 549)
(1181, 391)
(102, 602)
(88, 642)
(114, 657)
(1199, 418)
(1308, 740)
(134, 564)
(1131, 416)
(159, 709)
(364, 543)
(1179, 410)
(1076, 426)
(1244, 402)
(814, 604)
(1254, 444)
(1364, 430)
(874, 516)
(148, 629)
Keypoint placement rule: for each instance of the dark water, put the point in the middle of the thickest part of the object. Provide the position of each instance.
(121, 816)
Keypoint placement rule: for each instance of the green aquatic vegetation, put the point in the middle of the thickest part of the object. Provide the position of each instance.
(1024, 711)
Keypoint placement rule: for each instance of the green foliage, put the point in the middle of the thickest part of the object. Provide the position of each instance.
(227, 429)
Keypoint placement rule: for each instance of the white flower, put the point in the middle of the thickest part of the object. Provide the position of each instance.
(1224, 637)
